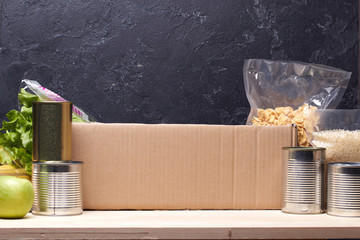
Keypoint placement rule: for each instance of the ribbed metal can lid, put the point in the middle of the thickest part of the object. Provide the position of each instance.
(305, 153)
(344, 167)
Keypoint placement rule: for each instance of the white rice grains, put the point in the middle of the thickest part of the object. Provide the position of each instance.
(341, 145)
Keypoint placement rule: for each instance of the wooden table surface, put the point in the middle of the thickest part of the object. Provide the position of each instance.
(209, 224)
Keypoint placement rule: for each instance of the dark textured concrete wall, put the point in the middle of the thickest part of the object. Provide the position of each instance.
(167, 61)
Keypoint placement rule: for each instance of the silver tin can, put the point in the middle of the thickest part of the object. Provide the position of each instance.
(52, 129)
(57, 188)
(303, 180)
(343, 195)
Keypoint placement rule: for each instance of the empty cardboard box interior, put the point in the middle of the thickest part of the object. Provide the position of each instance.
(172, 166)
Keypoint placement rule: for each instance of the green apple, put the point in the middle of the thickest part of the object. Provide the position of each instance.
(16, 197)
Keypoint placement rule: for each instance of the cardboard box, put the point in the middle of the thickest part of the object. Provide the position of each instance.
(171, 166)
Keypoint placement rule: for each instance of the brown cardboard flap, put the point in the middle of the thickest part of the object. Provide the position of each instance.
(170, 166)
(258, 161)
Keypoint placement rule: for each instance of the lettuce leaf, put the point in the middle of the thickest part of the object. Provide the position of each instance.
(16, 134)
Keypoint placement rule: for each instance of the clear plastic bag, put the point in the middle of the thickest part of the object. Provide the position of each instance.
(337, 130)
(286, 89)
(47, 95)
(271, 84)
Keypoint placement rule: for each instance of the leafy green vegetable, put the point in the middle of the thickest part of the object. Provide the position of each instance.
(76, 118)
(27, 98)
(16, 134)
(4, 156)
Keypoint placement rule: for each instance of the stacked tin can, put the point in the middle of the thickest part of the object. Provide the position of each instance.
(343, 196)
(303, 180)
(56, 178)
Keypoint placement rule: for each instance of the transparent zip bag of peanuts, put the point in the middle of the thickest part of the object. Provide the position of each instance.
(280, 92)
(337, 130)
(44, 94)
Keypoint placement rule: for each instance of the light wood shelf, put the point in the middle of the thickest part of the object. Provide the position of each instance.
(209, 224)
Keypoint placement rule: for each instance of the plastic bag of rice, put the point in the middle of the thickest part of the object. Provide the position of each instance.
(337, 130)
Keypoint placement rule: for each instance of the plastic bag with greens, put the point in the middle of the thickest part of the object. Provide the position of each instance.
(45, 94)
(16, 137)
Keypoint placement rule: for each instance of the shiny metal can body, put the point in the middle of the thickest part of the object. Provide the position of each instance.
(303, 180)
(343, 194)
(52, 129)
(57, 188)
(56, 178)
